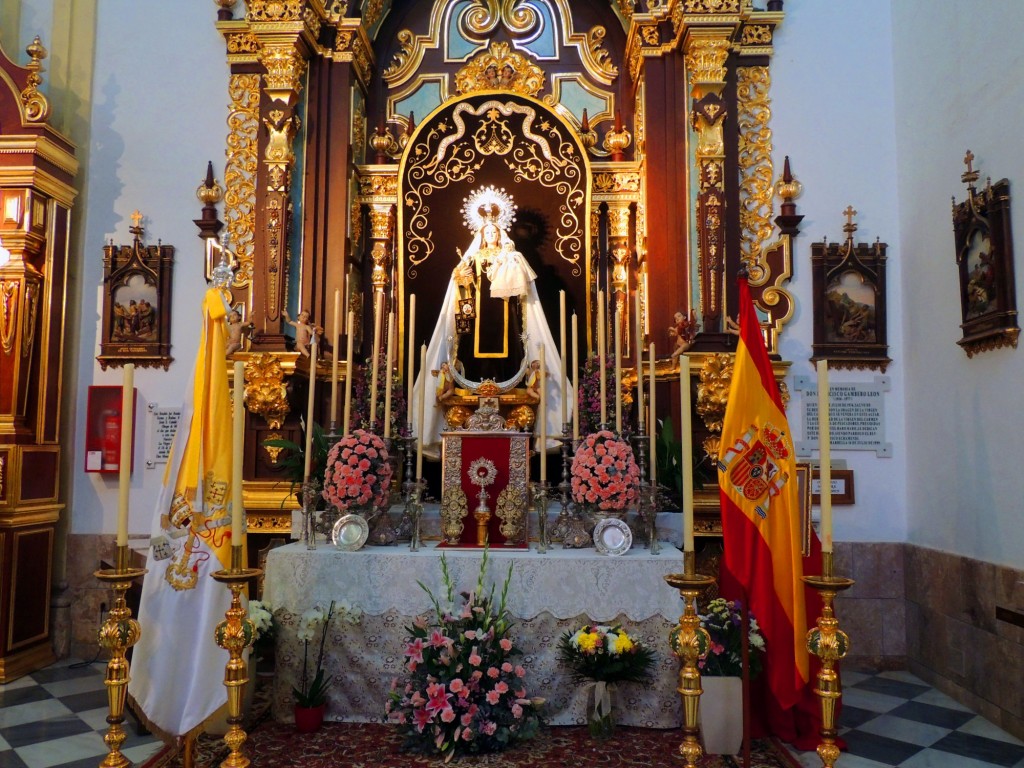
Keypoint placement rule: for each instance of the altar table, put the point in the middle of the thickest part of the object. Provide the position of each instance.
(548, 595)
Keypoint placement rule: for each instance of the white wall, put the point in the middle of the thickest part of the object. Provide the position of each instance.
(958, 86)
(158, 115)
(832, 113)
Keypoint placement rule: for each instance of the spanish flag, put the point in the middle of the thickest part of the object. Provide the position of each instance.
(760, 511)
(177, 668)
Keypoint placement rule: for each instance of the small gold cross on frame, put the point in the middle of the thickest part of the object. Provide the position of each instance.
(849, 227)
(968, 160)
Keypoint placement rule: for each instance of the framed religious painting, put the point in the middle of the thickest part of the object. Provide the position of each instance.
(850, 302)
(136, 303)
(984, 255)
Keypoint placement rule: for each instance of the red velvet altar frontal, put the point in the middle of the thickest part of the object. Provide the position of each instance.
(507, 494)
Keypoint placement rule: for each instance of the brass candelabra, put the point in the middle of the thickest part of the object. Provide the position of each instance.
(829, 644)
(117, 634)
(690, 641)
(235, 634)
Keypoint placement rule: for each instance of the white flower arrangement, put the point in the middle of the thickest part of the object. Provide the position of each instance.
(262, 616)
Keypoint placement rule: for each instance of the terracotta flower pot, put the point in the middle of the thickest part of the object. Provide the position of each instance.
(309, 719)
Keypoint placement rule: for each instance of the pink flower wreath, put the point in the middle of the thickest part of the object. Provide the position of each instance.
(604, 473)
(358, 472)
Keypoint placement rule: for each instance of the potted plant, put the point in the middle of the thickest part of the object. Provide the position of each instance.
(311, 693)
(721, 705)
(604, 656)
(292, 463)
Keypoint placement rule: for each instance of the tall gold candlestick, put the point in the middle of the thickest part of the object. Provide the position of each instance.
(375, 359)
(335, 342)
(423, 408)
(411, 343)
(601, 351)
(618, 374)
(561, 355)
(542, 418)
(350, 326)
(638, 345)
(387, 374)
(237, 443)
(685, 434)
(653, 449)
(575, 379)
(124, 474)
(825, 457)
(309, 411)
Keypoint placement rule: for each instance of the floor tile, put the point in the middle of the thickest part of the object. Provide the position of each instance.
(928, 713)
(879, 748)
(852, 678)
(81, 702)
(62, 688)
(3, 744)
(67, 672)
(939, 699)
(889, 687)
(11, 760)
(980, 748)
(21, 682)
(933, 758)
(852, 717)
(922, 734)
(903, 676)
(29, 713)
(64, 750)
(979, 726)
(141, 753)
(874, 702)
(97, 718)
(22, 696)
(44, 730)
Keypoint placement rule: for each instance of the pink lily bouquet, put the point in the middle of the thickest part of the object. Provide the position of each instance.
(604, 473)
(462, 690)
(358, 473)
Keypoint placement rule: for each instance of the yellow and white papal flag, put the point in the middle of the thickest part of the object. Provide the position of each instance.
(177, 668)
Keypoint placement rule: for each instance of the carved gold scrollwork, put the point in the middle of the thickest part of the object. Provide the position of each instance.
(275, 10)
(240, 171)
(28, 333)
(9, 294)
(483, 16)
(712, 396)
(755, 162)
(454, 507)
(36, 107)
(273, 451)
(756, 34)
(265, 392)
(511, 510)
(712, 6)
(500, 69)
(243, 42)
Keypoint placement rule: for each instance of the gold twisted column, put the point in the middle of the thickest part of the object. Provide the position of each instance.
(117, 634)
(690, 641)
(235, 634)
(829, 644)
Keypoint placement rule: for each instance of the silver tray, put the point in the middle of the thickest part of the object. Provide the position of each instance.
(350, 532)
(612, 537)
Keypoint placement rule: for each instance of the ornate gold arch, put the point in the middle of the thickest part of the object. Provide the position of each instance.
(540, 147)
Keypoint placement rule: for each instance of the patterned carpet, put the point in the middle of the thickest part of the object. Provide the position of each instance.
(357, 745)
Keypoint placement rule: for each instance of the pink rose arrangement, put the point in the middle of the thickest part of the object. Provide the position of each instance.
(604, 473)
(358, 472)
(462, 690)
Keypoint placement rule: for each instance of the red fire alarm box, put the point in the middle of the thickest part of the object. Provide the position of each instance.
(103, 429)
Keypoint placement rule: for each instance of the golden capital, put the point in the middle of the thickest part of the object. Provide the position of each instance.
(285, 67)
(705, 61)
(380, 222)
(618, 221)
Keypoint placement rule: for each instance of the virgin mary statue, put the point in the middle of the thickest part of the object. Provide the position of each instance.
(491, 322)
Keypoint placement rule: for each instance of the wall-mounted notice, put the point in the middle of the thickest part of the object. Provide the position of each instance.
(856, 414)
(164, 425)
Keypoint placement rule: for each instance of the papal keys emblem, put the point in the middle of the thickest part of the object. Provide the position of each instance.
(752, 465)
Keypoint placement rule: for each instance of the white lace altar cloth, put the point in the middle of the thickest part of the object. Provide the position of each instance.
(548, 595)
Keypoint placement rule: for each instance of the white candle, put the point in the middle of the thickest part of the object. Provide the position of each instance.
(238, 440)
(601, 352)
(350, 326)
(309, 410)
(542, 418)
(685, 430)
(423, 407)
(638, 345)
(824, 457)
(653, 422)
(387, 374)
(561, 354)
(125, 460)
(336, 342)
(411, 342)
(575, 379)
(618, 374)
(375, 358)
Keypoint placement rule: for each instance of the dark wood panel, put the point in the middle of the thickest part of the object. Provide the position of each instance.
(31, 560)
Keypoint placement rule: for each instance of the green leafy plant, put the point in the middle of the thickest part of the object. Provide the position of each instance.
(605, 654)
(724, 623)
(292, 461)
(313, 692)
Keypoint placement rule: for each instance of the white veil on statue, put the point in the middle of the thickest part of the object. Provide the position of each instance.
(509, 275)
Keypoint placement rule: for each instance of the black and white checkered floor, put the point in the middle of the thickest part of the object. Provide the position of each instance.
(57, 718)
